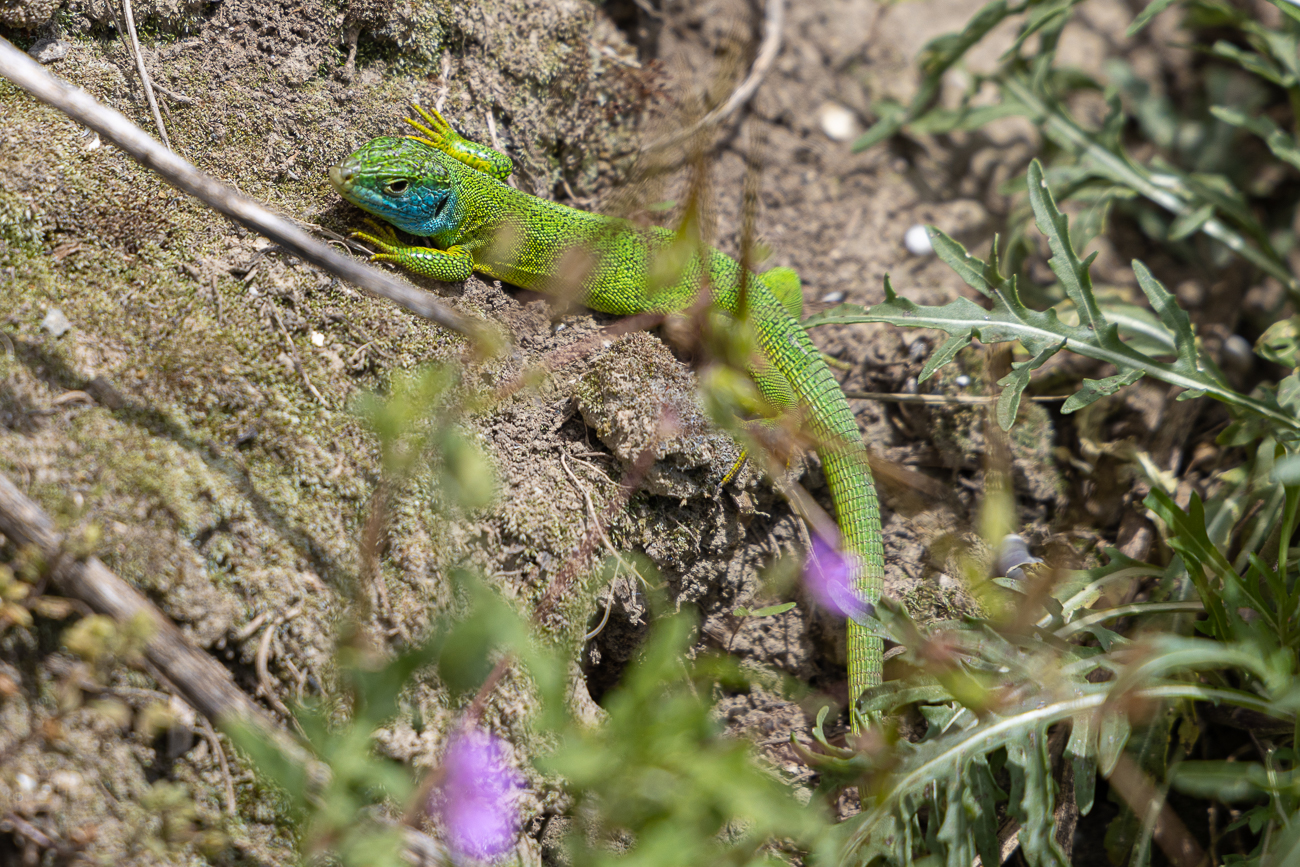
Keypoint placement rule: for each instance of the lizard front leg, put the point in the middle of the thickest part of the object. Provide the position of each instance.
(453, 265)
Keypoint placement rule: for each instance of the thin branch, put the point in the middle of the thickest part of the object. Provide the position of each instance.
(1147, 801)
(940, 399)
(25, 72)
(264, 680)
(773, 22)
(144, 75)
(214, 744)
(173, 95)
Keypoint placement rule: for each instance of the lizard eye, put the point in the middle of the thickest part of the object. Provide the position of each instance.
(398, 186)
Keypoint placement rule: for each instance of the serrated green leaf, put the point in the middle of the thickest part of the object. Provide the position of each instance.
(1031, 801)
(891, 695)
(1013, 384)
(1174, 317)
(953, 837)
(1093, 390)
(1072, 273)
(1188, 537)
(842, 314)
(946, 352)
(1042, 333)
(970, 268)
(936, 58)
(980, 800)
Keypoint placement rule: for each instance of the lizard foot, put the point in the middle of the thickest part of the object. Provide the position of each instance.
(382, 236)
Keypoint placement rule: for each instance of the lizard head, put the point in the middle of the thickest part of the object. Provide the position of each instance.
(402, 181)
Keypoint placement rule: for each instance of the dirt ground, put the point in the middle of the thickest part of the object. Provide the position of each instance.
(190, 389)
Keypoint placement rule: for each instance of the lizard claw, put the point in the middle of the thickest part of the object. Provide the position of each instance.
(439, 133)
(382, 236)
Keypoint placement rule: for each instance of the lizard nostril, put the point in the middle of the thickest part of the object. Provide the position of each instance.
(342, 175)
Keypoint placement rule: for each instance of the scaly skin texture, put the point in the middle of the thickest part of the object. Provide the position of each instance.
(442, 187)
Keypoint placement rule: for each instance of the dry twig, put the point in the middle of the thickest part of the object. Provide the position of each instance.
(144, 74)
(265, 686)
(214, 744)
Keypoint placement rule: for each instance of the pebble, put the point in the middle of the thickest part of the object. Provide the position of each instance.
(1237, 352)
(48, 50)
(55, 322)
(837, 122)
(833, 297)
(1013, 555)
(67, 782)
(917, 241)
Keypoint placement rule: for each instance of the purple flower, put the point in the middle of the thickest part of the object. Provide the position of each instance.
(476, 800)
(828, 575)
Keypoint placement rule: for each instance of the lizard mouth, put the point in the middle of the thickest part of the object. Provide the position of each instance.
(341, 177)
(440, 208)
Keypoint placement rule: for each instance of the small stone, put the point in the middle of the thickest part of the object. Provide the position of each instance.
(917, 241)
(1013, 556)
(1238, 354)
(837, 122)
(26, 783)
(66, 782)
(317, 339)
(833, 297)
(962, 381)
(55, 322)
(48, 50)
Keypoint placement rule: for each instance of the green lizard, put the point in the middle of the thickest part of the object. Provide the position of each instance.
(440, 186)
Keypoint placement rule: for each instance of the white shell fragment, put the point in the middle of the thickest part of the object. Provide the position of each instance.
(837, 122)
(917, 241)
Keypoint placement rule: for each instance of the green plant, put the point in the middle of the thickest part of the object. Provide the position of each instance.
(990, 693)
